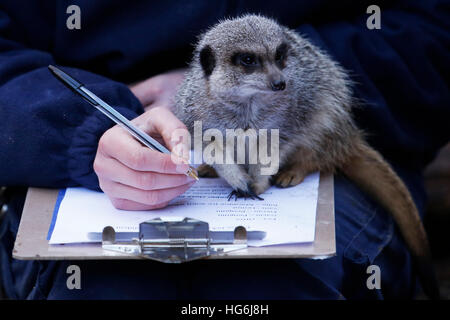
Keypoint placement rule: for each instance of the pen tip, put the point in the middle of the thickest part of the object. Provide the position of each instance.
(192, 173)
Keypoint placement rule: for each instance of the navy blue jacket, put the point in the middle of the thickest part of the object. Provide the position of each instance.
(48, 135)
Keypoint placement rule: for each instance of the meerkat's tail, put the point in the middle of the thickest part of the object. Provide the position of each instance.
(372, 173)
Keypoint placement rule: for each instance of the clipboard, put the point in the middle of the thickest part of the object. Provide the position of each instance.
(32, 244)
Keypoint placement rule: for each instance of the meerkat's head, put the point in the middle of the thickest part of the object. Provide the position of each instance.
(243, 57)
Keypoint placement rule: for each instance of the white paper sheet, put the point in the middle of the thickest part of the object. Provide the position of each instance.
(286, 215)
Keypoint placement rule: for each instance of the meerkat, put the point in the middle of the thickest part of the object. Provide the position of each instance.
(251, 73)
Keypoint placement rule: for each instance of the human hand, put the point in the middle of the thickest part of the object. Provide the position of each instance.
(135, 177)
(159, 90)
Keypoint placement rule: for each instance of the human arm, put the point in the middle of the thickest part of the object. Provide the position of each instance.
(48, 135)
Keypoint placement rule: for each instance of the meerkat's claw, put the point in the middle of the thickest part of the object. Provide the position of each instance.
(239, 193)
(236, 194)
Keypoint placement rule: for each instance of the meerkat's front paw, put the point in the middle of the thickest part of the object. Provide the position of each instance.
(260, 185)
(289, 177)
(238, 179)
(206, 171)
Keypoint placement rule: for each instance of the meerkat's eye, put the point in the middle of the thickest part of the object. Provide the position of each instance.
(248, 60)
(245, 59)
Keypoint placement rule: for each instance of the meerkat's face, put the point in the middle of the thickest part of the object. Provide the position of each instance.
(245, 57)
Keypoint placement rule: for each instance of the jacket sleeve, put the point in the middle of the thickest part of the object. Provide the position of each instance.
(401, 74)
(48, 134)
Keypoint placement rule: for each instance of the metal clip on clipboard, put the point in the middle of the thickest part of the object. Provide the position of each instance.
(176, 241)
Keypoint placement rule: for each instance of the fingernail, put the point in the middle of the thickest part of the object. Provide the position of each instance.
(182, 168)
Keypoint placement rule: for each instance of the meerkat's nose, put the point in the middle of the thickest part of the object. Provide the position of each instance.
(278, 85)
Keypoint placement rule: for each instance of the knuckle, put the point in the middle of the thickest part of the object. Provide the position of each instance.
(102, 143)
(101, 185)
(104, 140)
(110, 188)
(104, 186)
(98, 167)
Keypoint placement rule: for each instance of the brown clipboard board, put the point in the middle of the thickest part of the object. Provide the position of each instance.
(32, 244)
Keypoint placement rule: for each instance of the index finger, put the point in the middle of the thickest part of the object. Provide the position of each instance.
(163, 122)
(120, 145)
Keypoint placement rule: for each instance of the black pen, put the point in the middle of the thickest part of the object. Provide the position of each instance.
(115, 116)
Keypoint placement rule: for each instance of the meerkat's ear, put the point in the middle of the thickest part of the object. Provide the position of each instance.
(207, 60)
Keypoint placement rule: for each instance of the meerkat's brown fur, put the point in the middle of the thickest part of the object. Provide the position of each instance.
(252, 73)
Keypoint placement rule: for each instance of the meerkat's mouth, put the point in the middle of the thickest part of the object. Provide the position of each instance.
(244, 93)
(253, 90)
